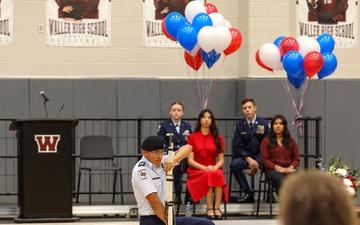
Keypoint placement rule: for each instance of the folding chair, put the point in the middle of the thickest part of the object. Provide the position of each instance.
(98, 148)
(268, 185)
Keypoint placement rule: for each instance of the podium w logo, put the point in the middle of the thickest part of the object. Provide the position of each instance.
(47, 143)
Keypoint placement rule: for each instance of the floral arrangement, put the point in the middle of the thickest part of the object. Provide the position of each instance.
(349, 174)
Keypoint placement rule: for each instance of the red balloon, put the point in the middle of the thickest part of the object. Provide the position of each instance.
(194, 62)
(165, 31)
(260, 63)
(236, 41)
(210, 8)
(313, 62)
(287, 44)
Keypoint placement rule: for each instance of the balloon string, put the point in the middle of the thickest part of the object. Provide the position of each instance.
(217, 74)
(308, 92)
(288, 91)
(203, 83)
(193, 79)
(213, 76)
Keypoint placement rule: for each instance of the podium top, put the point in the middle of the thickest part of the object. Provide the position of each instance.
(15, 123)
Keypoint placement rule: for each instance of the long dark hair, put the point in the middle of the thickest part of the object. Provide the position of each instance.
(285, 135)
(213, 128)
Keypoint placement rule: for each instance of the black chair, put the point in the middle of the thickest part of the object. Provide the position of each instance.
(231, 172)
(268, 186)
(98, 148)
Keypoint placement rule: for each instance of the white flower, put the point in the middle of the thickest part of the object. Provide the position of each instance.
(347, 182)
(350, 190)
(341, 172)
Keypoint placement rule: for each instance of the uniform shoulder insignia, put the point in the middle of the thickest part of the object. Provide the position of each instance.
(141, 164)
(143, 174)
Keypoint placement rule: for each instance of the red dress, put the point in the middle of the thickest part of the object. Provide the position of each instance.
(199, 181)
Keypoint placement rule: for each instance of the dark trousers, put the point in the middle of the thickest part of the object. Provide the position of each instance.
(177, 180)
(237, 166)
(154, 220)
(276, 178)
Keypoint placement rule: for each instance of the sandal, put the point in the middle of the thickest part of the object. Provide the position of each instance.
(218, 217)
(210, 217)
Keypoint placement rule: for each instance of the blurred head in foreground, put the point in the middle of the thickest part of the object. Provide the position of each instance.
(315, 198)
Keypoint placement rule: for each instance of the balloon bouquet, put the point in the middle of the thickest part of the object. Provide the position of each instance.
(204, 34)
(301, 58)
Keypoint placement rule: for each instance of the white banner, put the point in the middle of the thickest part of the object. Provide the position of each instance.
(6, 23)
(154, 12)
(335, 17)
(83, 23)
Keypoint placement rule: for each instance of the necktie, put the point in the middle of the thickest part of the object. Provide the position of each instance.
(177, 128)
(251, 125)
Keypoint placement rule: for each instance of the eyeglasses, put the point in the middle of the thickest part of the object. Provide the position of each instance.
(156, 153)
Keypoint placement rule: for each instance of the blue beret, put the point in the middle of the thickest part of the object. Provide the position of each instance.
(152, 143)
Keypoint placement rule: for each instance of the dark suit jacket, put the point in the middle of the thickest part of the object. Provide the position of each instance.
(247, 142)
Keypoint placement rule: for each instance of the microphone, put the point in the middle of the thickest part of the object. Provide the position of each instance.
(57, 115)
(46, 99)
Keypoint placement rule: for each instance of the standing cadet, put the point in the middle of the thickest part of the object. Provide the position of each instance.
(149, 183)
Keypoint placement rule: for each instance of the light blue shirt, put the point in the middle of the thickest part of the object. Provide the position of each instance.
(147, 179)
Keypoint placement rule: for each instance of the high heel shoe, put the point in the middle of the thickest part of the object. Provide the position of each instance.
(210, 217)
(218, 217)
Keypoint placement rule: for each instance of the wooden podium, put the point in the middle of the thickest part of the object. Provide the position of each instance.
(44, 150)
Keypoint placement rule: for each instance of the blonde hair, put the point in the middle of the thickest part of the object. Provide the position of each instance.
(315, 198)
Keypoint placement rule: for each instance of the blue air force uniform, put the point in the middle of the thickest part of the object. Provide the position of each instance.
(179, 139)
(247, 143)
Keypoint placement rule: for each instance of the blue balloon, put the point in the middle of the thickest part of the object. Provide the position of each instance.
(187, 36)
(330, 64)
(173, 22)
(278, 40)
(297, 80)
(293, 63)
(201, 20)
(326, 42)
(210, 58)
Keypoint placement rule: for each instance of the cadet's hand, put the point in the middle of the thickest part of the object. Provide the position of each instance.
(253, 165)
(168, 166)
(253, 170)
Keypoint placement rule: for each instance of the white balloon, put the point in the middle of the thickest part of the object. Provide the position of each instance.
(302, 38)
(207, 38)
(228, 24)
(192, 9)
(217, 19)
(309, 45)
(269, 54)
(223, 39)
